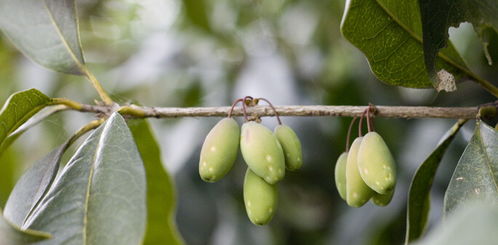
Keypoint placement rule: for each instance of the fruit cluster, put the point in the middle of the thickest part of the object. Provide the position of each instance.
(367, 170)
(267, 154)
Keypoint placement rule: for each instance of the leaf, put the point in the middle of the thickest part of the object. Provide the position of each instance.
(473, 223)
(12, 235)
(18, 108)
(161, 228)
(418, 204)
(196, 13)
(99, 197)
(476, 174)
(32, 186)
(45, 31)
(389, 33)
(439, 16)
(34, 120)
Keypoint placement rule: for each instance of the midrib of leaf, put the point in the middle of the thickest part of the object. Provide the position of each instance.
(96, 157)
(419, 39)
(63, 39)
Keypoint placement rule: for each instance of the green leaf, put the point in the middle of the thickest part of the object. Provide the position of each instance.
(12, 235)
(45, 31)
(476, 174)
(161, 228)
(34, 120)
(418, 204)
(99, 197)
(32, 186)
(439, 16)
(389, 33)
(473, 223)
(196, 13)
(18, 108)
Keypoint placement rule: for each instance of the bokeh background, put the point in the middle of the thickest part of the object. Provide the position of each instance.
(210, 52)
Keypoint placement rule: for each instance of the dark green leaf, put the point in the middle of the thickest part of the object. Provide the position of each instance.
(476, 174)
(439, 16)
(419, 193)
(18, 108)
(32, 186)
(161, 228)
(99, 197)
(389, 33)
(46, 31)
(12, 235)
(472, 223)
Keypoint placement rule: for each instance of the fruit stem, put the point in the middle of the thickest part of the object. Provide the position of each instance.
(370, 125)
(349, 133)
(233, 106)
(244, 107)
(273, 108)
(360, 124)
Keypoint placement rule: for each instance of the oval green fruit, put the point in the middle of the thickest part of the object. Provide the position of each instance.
(260, 198)
(291, 145)
(340, 174)
(357, 192)
(262, 152)
(376, 163)
(219, 150)
(383, 199)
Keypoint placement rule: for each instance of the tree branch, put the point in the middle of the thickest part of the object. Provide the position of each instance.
(134, 111)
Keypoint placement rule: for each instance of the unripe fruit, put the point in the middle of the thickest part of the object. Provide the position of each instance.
(219, 150)
(260, 198)
(340, 174)
(262, 152)
(383, 199)
(291, 145)
(376, 164)
(357, 192)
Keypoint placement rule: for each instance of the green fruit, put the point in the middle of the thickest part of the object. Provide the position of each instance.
(219, 150)
(262, 152)
(383, 199)
(260, 198)
(340, 174)
(376, 164)
(291, 146)
(357, 192)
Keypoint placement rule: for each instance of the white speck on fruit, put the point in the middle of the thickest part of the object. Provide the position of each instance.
(204, 163)
(270, 210)
(365, 171)
(213, 148)
(377, 182)
(459, 178)
(268, 158)
(355, 195)
(211, 169)
(270, 168)
(268, 179)
(477, 190)
(298, 159)
(249, 203)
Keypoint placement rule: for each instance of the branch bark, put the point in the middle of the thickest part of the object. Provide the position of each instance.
(134, 111)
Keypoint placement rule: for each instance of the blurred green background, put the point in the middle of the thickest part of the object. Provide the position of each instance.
(210, 52)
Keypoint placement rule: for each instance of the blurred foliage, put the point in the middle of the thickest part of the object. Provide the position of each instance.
(183, 53)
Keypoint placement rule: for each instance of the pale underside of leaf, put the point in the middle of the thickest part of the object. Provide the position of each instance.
(99, 197)
(32, 186)
(10, 234)
(45, 31)
(476, 174)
